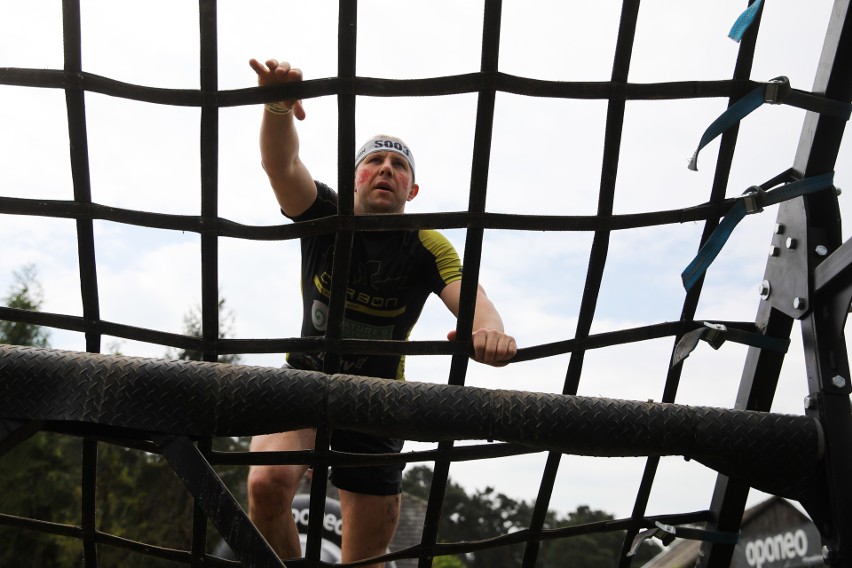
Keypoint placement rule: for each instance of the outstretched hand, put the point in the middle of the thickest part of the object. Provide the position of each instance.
(490, 346)
(276, 73)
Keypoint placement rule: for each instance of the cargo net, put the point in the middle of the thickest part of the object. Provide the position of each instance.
(176, 409)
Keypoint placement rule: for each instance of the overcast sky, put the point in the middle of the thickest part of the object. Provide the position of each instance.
(546, 159)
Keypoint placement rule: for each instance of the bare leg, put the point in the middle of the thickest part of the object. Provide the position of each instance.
(271, 489)
(369, 523)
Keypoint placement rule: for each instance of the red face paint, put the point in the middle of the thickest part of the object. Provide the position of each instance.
(403, 179)
(363, 176)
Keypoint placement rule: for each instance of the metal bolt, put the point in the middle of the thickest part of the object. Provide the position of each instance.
(799, 303)
(810, 402)
(765, 289)
(791, 243)
(838, 381)
(821, 250)
(774, 251)
(779, 229)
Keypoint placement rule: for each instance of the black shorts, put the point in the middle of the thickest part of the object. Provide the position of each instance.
(371, 480)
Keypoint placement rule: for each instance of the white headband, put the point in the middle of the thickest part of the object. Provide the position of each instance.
(385, 144)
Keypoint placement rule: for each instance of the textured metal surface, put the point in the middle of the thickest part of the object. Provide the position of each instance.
(210, 399)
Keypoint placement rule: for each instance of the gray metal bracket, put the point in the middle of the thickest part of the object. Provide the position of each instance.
(786, 282)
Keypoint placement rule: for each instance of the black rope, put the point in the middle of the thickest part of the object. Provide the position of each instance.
(378, 87)
(472, 257)
(597, 258)
(724, 161)
(78, 137)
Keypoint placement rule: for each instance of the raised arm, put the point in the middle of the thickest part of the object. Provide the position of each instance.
(279, 142)
(491, 345)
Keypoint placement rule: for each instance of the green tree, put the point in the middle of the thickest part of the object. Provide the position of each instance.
(487, 514)
(483, 515)
(139, 495)
(140, 498)
(40, 476)
(448, 562)
(24, 294)
(41, 480)
(594, 549)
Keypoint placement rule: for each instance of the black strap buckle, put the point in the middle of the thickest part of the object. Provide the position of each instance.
(776, 90)
(666, 534)
(715, 335)
(753, 199)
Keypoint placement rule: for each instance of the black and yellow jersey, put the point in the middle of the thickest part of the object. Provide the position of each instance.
(392, 274)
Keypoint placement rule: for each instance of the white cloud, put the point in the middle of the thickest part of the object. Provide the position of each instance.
(569, 44)
(152, 44)
(144, 157)
(34, 146)
(681, 42)
(443, 41)
(149, 279)
(31, 35)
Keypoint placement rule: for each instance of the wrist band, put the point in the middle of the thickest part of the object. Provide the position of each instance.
(276, 108)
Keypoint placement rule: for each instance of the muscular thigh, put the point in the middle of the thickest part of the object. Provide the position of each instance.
(284, 441)
(286, 475)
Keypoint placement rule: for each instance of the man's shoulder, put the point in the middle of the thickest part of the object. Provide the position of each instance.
(434, 241)
(324, 205)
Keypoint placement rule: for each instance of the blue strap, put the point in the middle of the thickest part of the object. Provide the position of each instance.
(734, 113)
(744, 21)
(711, 249)
(751, 202)
(776, 91)
(798, 188)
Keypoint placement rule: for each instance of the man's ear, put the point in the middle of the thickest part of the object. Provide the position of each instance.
(413, 192)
